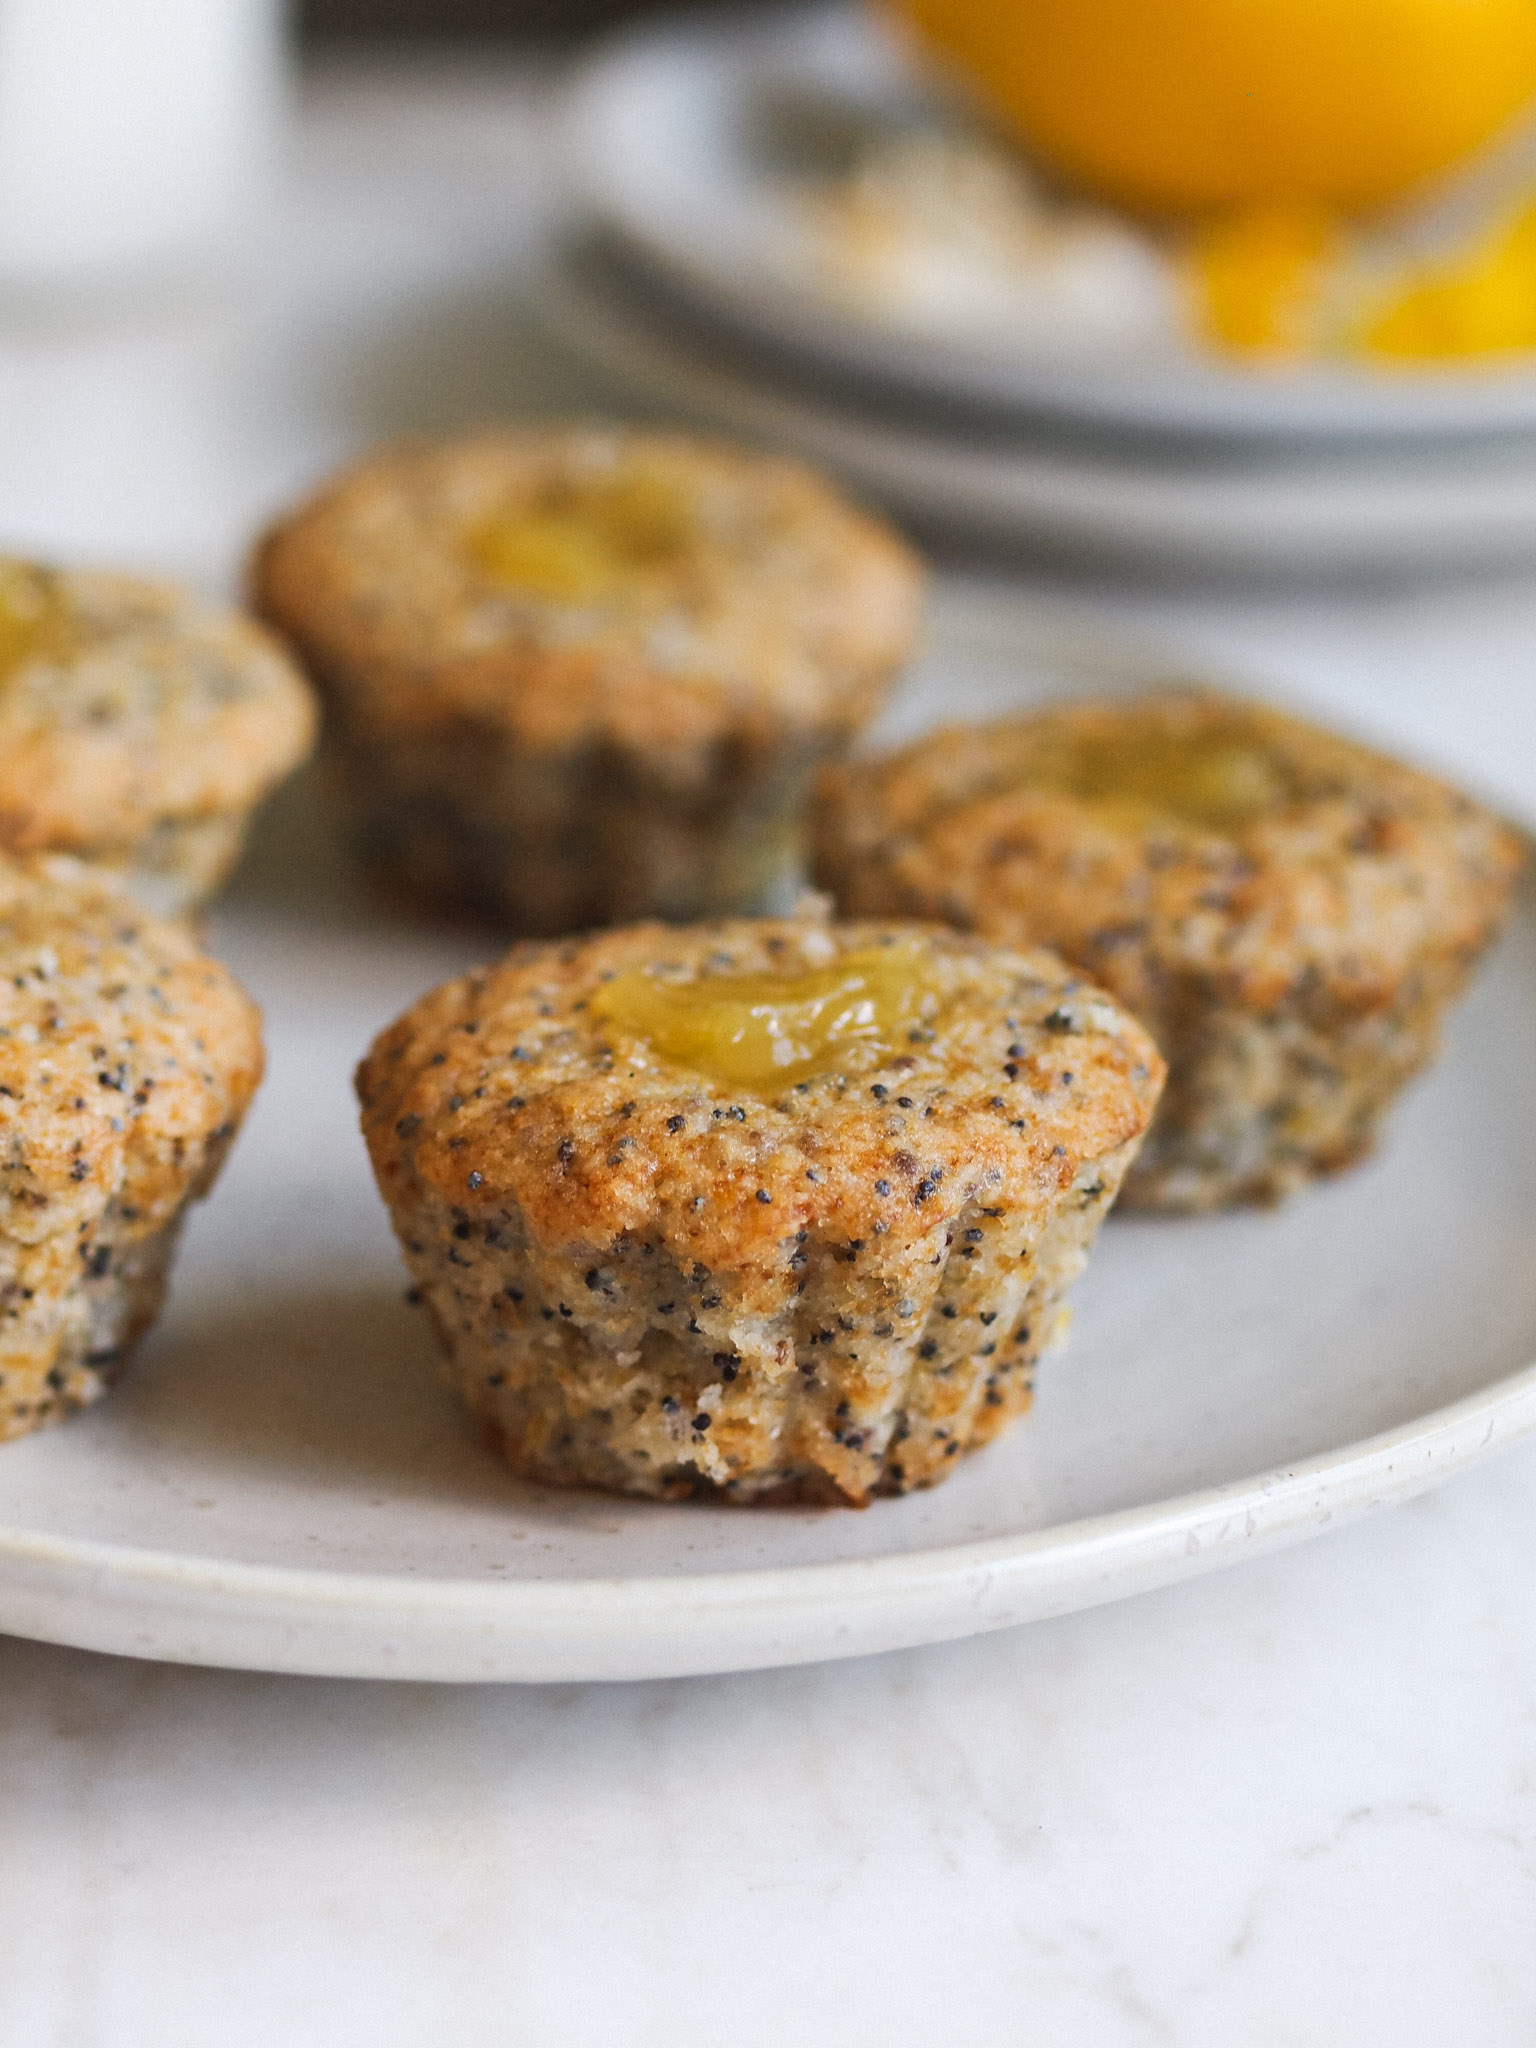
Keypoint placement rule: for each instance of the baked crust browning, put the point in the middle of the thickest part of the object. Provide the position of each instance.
(1292, 953)
(127, 1059)
(139, 727)
(573, 674)
(647, 1281)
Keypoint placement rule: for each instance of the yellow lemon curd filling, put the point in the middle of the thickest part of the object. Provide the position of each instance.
(755, 1031)
(1217, 781)
(34, 620)
(605, 539)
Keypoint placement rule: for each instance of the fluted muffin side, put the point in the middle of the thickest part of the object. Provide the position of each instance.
(140, 726)
(127, 1060)
(649, 1281)
(1290, 913)
(574, 675)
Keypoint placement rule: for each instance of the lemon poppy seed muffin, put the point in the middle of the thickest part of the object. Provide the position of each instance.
(139, 727)
(761, 1210)
(1289, 913)
(576, 675)
(127, 1059)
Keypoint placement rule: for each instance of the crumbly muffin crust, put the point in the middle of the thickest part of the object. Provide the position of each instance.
(1292, 946)
(127, 1059)
(139, 726)
(574, 674)
(647, 1281)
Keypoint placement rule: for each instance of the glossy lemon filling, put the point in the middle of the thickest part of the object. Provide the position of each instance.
(1216, 781)
(590, 541)
(33, 620)
(754, 1031)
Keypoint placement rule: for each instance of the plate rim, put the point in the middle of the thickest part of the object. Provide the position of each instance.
(325, 1623)
(1191, 400)
(1090, 503)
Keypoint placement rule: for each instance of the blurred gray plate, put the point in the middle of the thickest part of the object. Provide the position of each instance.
(1266, 510)
(677, 141)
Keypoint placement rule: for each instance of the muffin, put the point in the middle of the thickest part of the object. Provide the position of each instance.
(139, 727)
(1288, 913)
(127, 1059)
(758, 1210)
(575, 676)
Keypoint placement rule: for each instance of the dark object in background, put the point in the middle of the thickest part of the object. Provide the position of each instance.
(459, 20)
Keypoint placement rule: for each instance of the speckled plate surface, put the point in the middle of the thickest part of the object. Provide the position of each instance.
(280, 1484)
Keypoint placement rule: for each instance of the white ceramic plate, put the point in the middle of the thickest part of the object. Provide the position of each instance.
(280, 1484)
(678, 141)
(1430, 505)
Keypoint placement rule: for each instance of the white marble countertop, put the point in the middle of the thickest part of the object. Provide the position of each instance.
(1292, 1803)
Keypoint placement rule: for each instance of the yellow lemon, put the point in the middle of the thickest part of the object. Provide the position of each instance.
(1189, 105)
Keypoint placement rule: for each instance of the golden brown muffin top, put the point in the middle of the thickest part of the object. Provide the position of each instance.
(126, 702)
(566, 583)
(540, 1084)
(1182, 833)
(121, 1043)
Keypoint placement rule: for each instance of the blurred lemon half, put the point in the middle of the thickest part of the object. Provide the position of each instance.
(1189, 105)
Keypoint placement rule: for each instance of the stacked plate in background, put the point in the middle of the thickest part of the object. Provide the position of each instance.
(695, 284)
